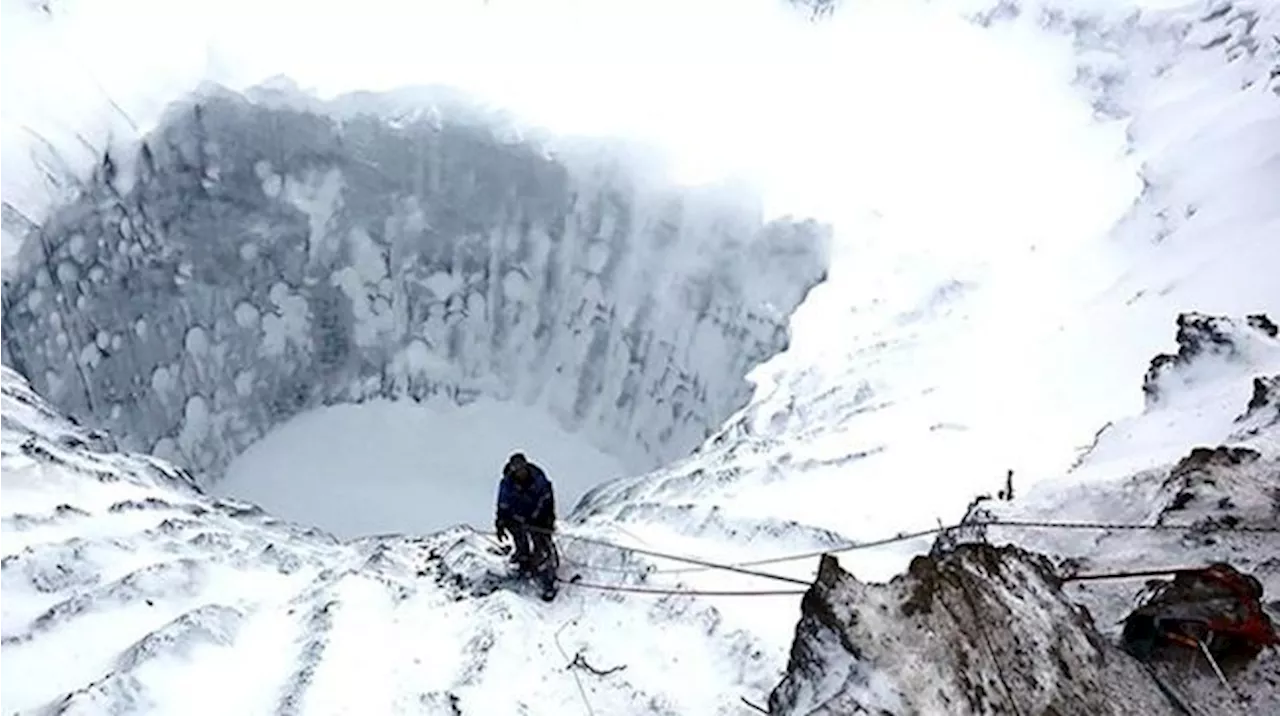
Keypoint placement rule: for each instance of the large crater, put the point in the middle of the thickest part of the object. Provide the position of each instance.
(262, 255)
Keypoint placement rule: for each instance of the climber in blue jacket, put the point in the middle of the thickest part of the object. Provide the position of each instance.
(527, 511)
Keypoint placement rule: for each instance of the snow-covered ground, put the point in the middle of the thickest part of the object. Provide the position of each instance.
(406, 467)
(1025, 196)
(972, 273)
(127, 591)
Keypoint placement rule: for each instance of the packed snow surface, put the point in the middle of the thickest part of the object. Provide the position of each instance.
(381, 466)
(126, 590)
(1024, 197)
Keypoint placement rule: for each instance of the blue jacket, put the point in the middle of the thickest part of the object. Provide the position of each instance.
(535, 504)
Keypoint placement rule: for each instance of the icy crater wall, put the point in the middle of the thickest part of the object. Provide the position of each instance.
(257, 258)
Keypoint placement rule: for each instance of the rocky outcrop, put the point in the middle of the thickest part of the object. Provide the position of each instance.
(1266, 392)
(1222, 488)
(259, 257)
(979, 630)
(1205, 342)
(1263, 409)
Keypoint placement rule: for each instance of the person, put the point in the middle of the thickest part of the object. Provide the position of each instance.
(527, 512)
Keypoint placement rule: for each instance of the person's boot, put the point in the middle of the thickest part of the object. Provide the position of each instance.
(547, 580)
(549, 589)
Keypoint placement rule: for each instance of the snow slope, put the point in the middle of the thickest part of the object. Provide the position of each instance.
(929, 392)
(999, 278)
(153, 598)
(980, 623)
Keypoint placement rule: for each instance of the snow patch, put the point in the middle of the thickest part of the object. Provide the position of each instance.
(1194, 397)
(383, 467)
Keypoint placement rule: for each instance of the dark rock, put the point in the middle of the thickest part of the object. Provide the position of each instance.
(1263, 409)
(1181, 500)
(1201, 459)
(969, 636)
(1198, 336)
(1218, 489)
(1265, 391)
(1263, 323)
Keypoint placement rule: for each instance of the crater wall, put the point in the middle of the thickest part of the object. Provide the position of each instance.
(256, 258)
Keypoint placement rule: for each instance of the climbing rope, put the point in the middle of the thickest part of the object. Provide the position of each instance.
(851, 547)
(986, 640)
(743, 567)
(560, 648)
(675, 557)
(677, 591)
(1112, 526)
(702, 565)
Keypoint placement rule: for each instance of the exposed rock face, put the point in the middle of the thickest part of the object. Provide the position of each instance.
(1266, 392)
(1221, 489)
(980, 630)
(1263, 410)
(1203, 341)
(259, 258)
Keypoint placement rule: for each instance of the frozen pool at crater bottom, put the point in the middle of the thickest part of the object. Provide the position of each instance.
(402, 466)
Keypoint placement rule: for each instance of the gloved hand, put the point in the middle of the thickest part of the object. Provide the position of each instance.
(500, 527)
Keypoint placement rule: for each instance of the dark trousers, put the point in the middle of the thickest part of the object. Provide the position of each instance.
(533, 551)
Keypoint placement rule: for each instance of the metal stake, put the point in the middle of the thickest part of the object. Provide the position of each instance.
(1213, 662)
